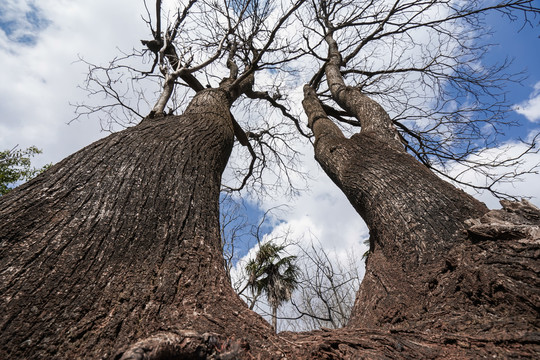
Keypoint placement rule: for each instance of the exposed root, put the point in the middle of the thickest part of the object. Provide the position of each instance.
(184, 345)
(516, 220)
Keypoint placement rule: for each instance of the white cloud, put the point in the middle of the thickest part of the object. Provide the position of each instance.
(21, 21)
(530, 108)
(40, 78)
(320, 214)
(524, 185)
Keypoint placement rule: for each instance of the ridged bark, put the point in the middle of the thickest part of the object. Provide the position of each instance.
(121, 241)
(427, 271)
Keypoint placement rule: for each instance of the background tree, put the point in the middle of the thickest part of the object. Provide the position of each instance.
(326, 290)
(325, 286)
(274, 275)
(15, 166)
(240, 233)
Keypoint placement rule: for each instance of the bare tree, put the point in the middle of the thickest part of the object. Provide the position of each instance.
(422, 265)
(327, 289)
(207, 39)
(126, 253)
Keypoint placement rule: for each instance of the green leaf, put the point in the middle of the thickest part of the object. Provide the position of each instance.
(15, 166)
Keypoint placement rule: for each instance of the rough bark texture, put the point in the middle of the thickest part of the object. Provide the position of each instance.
(370, 344)
(428, 270)
(431, 266)
(120, 242)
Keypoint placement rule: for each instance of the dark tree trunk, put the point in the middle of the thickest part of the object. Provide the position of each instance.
(120, 242)
(274, 318)
(427, 270)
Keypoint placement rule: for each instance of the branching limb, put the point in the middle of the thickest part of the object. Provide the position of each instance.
(242, 138)
(271, 37)
(264, 95)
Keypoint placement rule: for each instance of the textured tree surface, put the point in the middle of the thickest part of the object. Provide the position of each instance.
(440, 265)
(120, 241)
(115, 253)
(483, 305)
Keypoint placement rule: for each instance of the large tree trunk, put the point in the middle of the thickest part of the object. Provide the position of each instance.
(120, 242)
(424, 271)
(428, 270)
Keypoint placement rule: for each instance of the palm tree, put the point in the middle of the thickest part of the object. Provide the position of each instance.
(273, 275)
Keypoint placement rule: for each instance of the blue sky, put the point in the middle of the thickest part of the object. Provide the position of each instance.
(40, 43)
(25, 28)
(521, 44)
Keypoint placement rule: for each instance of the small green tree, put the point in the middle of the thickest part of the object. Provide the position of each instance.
(15, 165)
(273, 275)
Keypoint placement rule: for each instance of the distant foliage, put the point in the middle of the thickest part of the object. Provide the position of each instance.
(15, 166)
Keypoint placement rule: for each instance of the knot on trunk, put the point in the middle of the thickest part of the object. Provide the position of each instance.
(185, 345)
(516, 220)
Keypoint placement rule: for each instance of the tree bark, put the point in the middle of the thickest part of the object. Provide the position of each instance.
(427, 270)
(274, 318)
(120, 243)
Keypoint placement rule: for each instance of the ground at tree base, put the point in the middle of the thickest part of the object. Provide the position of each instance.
(514, 229)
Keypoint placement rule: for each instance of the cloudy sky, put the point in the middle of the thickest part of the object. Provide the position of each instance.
(40, 42)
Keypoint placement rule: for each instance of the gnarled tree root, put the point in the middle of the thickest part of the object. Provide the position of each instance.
(184, 345)
(516, 220)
